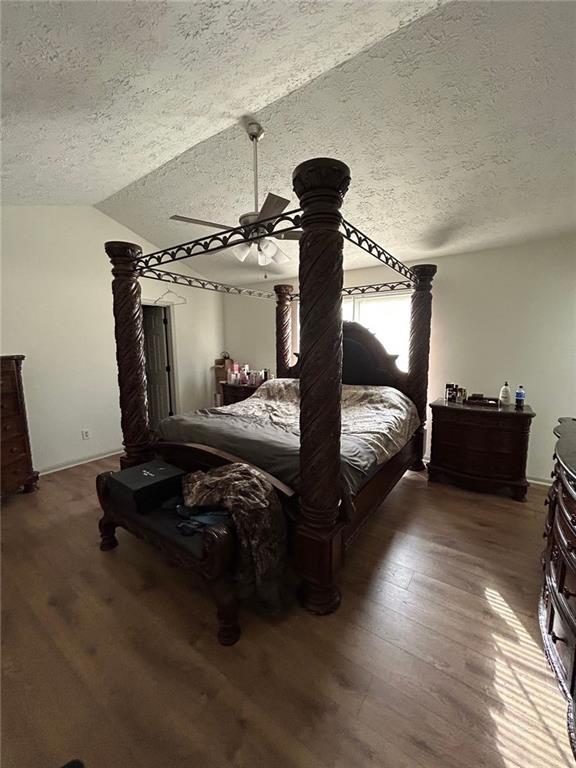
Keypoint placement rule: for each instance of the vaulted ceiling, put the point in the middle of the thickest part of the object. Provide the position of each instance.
(97, 94)
(457, 121)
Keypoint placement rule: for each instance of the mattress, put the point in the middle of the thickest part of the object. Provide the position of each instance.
(377, 422)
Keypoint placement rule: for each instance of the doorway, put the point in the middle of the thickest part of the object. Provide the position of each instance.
(159, 366)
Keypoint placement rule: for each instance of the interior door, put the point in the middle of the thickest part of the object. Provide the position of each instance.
(158, 368)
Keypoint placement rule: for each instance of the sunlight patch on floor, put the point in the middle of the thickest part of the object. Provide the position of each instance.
(533, 714)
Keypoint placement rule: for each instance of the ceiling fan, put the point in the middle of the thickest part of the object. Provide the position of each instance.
(265, 250)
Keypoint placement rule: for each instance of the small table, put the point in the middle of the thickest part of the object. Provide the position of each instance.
(481, 448)
(234, 393)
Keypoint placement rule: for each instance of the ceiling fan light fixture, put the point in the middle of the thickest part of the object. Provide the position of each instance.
(268, 247)
(263, 259)
(265, 251)
(280, 257)
(242, 250)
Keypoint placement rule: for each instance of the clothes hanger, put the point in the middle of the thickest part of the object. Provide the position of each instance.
(183, 300)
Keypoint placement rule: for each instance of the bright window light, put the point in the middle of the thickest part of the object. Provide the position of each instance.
(388, 317)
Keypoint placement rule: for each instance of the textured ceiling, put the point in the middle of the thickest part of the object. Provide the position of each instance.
(458, 129)
(97, 94)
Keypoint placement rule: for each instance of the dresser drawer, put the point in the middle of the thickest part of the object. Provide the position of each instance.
(8, 379)
(15, 475)
(567, 506)
(10, 405)
(15, 449)
(567, 588)
(556, 566)
(563, 638)
(12, 426)
(566, 539)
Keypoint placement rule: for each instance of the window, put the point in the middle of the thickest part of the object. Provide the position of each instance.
(388, 317)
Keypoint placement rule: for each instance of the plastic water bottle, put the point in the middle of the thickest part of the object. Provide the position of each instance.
(520, 397)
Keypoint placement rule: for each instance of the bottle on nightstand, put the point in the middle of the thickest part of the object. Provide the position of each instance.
(505, 395)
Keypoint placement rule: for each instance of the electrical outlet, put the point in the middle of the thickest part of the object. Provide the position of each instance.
(85, 434)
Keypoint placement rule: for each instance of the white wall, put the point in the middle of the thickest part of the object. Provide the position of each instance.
(249, 329)
(507, 313)
(57, 310)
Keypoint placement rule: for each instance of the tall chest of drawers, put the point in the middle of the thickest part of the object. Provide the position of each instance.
(17, 471)
(558, 604)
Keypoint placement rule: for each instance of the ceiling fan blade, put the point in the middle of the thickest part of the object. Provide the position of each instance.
(280, 257)
(272, 206)
(202, 223)
(294, 234)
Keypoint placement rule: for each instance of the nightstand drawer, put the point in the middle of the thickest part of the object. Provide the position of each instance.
(481, 437)
(480, 463)
(235, 393)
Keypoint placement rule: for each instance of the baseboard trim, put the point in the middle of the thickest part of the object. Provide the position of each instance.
(87, 460)
(538, 481)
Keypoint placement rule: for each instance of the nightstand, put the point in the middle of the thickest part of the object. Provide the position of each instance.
(481, 448)
(234, 393)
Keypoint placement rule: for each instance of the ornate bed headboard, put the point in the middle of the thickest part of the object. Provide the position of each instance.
(365, 360)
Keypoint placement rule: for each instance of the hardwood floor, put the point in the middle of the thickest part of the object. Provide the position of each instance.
(433, 660)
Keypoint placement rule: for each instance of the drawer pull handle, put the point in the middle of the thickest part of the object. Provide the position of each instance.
(573, 520)
(556, 638)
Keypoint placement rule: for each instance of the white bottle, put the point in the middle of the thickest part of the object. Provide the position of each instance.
(505, 395)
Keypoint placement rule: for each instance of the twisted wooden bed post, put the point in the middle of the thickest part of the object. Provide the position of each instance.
(283, 330)
(419, 354)
(129, 333)
(320, 185)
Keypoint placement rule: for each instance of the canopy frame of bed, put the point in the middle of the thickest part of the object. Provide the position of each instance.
(322, 532)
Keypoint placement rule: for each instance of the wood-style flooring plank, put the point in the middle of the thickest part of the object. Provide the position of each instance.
(432, 661)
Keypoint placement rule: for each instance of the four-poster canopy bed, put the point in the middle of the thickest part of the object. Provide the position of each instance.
(331, 353)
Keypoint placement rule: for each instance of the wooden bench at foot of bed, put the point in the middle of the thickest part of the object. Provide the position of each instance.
(211, 553)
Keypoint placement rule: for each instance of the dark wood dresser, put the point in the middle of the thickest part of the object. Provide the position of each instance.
(17, 470)
(558, 604)
(234, 393)
(481, 448)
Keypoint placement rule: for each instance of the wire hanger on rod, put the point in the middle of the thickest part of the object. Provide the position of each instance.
(174, 303)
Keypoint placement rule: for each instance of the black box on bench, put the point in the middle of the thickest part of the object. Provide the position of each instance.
(146, 486)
